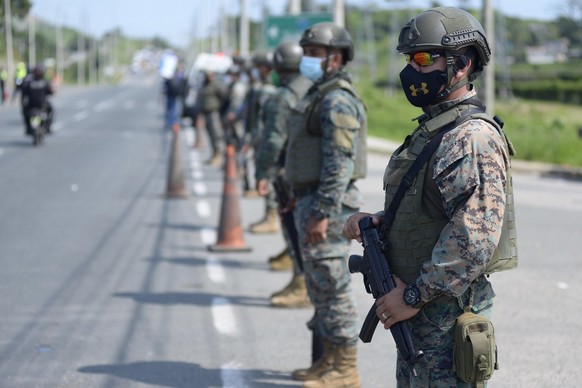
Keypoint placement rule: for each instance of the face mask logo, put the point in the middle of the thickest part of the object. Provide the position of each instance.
(310, 68)
(414, 91)
(430, 85)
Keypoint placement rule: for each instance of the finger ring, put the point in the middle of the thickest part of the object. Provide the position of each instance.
(384, 316)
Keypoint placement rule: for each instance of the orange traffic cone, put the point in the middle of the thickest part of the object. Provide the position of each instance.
(176, 187)
(230, 231)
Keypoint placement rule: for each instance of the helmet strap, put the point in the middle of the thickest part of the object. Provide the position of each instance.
(326, 63)
(454, 64)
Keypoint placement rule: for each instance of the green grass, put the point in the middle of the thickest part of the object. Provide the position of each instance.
(540, 131)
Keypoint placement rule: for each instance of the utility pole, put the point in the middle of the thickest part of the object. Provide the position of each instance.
(31, 40)
(9, 52)
(244, 28)
(339, 16)
(489, 71)
(80, 43)
(370, 40)
(59, 48)
(224, 27)
(294, 7)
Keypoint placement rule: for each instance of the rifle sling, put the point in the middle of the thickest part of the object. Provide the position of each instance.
(426, 153)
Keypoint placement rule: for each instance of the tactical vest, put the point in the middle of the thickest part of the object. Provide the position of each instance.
(305, 141)
(416, 230)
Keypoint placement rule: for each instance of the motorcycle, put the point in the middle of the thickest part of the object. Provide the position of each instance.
(38, 125)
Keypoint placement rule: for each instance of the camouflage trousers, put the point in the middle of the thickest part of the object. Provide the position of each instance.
(433, 330)
(215, 131)
(327, 277)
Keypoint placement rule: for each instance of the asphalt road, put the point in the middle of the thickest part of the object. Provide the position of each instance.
(105, 282)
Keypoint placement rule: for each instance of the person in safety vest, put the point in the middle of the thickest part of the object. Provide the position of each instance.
(270, 160)
(457, 217)
(19, 78)
(326, 155)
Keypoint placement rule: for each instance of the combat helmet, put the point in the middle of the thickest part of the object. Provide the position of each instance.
(448, 29)
(330, 35)
(287, 56)
(263, 58)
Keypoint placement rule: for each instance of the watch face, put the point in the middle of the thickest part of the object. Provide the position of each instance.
(411, 295)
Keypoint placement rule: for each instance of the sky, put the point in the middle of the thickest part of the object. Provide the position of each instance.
(179, 20)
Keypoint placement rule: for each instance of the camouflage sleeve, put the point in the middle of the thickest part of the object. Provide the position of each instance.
(276, 112)
(470, 172)
(341, 121)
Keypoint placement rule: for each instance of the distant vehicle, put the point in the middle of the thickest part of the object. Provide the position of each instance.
(218, 63)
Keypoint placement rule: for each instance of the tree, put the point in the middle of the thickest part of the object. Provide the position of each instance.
(19, 8)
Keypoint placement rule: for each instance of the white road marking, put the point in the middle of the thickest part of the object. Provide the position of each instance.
(208, 236)
(223, 317)
(563, 286)
(203, 209)
(104, 105)
(199, 188)
(232, 375)
(215, 270)
(82, 115)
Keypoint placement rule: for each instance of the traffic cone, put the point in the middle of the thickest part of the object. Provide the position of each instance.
(176, 187)
(230, 231)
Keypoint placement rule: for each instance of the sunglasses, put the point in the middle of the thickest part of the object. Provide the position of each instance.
(423, 58)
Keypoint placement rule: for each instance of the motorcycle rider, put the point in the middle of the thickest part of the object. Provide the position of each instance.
(35, 94)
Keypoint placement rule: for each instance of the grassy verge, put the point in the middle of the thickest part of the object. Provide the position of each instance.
(540, 131)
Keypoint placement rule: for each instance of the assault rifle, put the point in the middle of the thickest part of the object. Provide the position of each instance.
(378, 281)
(282, 194)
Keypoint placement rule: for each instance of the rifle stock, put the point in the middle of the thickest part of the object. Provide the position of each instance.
(378, 281)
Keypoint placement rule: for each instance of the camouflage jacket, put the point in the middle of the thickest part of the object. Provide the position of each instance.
(341, 116)
(465, 185)
(275, 115)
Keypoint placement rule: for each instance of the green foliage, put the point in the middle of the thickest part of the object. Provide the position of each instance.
(18, 8)
(540, 131)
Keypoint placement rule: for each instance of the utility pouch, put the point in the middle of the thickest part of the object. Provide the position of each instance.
(475, 349)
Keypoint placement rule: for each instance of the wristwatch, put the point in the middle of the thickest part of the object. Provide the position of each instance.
(411, 296)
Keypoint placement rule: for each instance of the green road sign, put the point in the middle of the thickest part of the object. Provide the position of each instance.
(279, 29)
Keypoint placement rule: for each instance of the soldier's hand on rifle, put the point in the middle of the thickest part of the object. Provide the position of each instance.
(351, 228)
(316, 230)
(263, 187)
(289, 207)
(391, 308)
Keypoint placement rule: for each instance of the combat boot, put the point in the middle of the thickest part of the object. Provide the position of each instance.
(282, 261)
(344, 372)
(319, 367)
(269, 224)
(215, 159)
(293, 295)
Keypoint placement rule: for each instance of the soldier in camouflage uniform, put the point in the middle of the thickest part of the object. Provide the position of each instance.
(292, 87)
(449, 224)
(326, 154)
(261, 91)
(211, 96)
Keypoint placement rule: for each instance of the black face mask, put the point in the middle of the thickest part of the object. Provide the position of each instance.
(421, 89)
